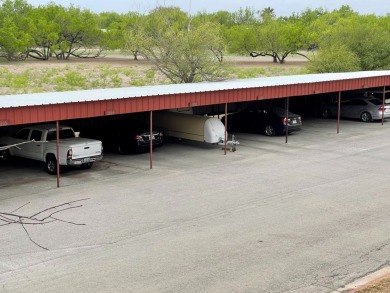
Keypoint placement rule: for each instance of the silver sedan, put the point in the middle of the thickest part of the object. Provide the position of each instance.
(364, 108)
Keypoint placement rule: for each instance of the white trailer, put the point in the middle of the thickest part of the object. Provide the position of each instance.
(192, 127)
(188, 126)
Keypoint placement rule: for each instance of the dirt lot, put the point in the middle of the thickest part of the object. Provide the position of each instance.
(117, 71)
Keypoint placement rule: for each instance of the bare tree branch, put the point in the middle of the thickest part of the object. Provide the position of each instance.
(20, 207)
(54, 207)
(73, 223)
(24, 228)
(42, 217)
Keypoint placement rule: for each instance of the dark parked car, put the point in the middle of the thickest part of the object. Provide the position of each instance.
(269, 120)
(364, 108)
(124, 135)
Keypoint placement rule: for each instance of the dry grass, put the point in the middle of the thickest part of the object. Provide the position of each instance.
(380, 286)
(77, 74)
(33, 76)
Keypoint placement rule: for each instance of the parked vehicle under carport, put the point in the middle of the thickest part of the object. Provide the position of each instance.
(124, 135)
(42, 142)
(366, 109)
(268, 120)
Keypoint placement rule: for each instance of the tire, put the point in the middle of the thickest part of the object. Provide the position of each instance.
(86, 166)
(366, 117)
(269, 130)
(326, 113)
(5, 155)
(51, 165)
(123, 149)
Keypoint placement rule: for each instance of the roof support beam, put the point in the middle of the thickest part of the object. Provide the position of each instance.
(225, 128)
(57, 152)
(338, 112)
(151, 140)
(383, 104)
(287, 102)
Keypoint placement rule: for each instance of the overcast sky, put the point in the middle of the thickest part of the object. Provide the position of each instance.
(281, 7)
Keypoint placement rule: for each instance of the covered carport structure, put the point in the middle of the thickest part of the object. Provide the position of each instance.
(57, 106)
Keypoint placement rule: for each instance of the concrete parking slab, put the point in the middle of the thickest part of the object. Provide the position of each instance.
(308, 216)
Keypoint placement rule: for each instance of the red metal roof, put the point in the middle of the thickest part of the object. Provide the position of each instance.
(44, 107)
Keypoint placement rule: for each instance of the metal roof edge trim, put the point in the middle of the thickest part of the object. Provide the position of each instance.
(49, 98)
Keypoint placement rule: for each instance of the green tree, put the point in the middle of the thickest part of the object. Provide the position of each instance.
(370, 42)
(162, 18)
(106, 19)
(14, 26)
(365, 36)
(241, 39)
(79, 36)
(267, 14)
(113, 27)
(224, 18)
(184, 53)
(130, 33)
(45, 31)
(279, 38)
(335, 58)
(234, 27)
(245, 16)
(309, 18)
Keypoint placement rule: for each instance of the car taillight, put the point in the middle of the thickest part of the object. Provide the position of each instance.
(138, 137)
(69, 154)
(382, 109)
(284, 120)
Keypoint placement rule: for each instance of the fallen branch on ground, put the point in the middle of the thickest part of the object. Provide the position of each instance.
(42, 217)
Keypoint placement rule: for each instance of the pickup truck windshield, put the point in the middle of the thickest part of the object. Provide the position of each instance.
(63, 133)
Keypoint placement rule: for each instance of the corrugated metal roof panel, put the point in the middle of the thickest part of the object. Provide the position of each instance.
(49, 98)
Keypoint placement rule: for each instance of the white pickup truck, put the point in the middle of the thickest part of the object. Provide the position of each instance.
(39, 143)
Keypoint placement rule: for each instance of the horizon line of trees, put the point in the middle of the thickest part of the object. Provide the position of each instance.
(189, 48)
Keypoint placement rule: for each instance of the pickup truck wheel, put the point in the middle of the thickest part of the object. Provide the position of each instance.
(86, 166)
(51, 165)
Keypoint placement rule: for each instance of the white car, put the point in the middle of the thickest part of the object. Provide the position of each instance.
(364, 108)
